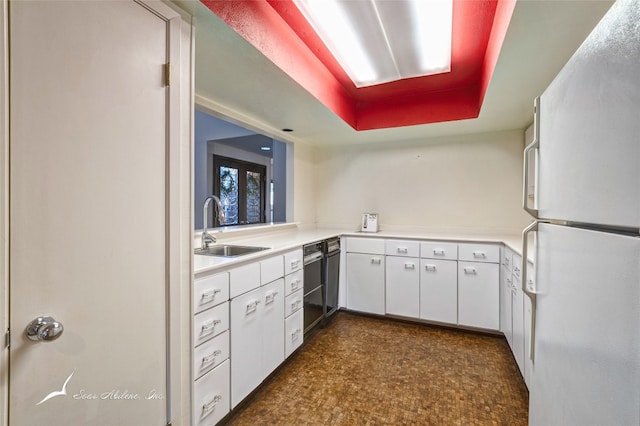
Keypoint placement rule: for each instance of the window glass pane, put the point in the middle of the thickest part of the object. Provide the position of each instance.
(254, 195)
(229, 194)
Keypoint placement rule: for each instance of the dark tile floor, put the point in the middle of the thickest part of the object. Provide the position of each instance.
(369, 371)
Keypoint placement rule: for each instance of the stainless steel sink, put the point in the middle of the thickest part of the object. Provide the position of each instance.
(228, 250)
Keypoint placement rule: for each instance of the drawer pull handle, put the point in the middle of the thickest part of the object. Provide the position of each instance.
(509, 281)
(430, 268)
(516, 269)
(479, 255)
(295, 264)
(295, 305)
(208, 407)
(295, 283)
(295, 334)
(403, 250)
(211, 357)
(438, 252)
(470, 271)
(376, 260)
(409, 265)
(209, 327)
(210, 294)
(251, 307)
(269, 298)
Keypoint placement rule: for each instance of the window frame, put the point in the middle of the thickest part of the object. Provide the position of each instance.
(243, 167)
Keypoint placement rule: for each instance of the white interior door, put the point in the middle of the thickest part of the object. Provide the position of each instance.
(88, 221)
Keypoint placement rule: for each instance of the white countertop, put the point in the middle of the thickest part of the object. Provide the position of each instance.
(291, 238)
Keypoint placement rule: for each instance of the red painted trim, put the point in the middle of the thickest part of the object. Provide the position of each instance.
(280, 32)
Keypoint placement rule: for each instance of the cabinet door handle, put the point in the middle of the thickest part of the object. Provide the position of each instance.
(430, 268)
(209, 294)
(208, 407)
(409, 265)
(295, 283)
(295, 263)
(479, 254)
(209, 327)
(295, 334)
(376, 260)
(403, 250)
(269, 298)
(470, 271)
(208, 359)
(438, 252)
(251, 307)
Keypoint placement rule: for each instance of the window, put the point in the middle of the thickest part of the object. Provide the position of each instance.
(242, 189)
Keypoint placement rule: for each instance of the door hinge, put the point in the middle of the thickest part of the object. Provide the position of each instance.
(167, 74)
(7, 339)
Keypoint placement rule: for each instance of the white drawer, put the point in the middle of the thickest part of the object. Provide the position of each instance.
(210, 291)
(294, 331)
(517, 266)
(211, 401)
(244, 279)
(292, 303)
(365, 245)
(438, 250)
(210, 354)
(293, 282)
(271, 269)
(293, 261)
(402, 248)
(210, 323)
(479, 252)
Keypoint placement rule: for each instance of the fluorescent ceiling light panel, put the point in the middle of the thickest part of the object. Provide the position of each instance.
(379, 41)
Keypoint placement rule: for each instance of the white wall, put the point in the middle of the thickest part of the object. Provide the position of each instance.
(469, 181)
(304, 185)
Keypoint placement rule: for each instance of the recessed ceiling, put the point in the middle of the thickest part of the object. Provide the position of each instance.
(278, 29)
(238, 82)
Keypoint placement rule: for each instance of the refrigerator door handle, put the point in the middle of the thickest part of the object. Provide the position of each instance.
(525, 288)
(527, 151)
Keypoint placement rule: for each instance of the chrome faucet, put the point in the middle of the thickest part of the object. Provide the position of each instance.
(206, 237)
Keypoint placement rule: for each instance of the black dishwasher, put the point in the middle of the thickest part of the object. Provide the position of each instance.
(331, 275)
(313, 285)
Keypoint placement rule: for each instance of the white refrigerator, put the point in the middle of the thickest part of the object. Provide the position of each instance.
(585, 289)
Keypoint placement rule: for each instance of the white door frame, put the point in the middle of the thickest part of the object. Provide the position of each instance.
(179, 273)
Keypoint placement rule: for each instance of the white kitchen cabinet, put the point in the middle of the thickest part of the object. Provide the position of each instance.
(479, 253)
(439, 250)
(210, 291)
(506, 284)
(293, 261)
(271, 269)
(517, 306)
(294, 327)
(208, 324)
(272, 318)
(243, 279)
(293, 282)
(402, 285)
(478, 294)
(402, 248)
(210, 354)
(246, 344)
(439, 290)
(211, 396)
(366, 282)
(528, 364)
(365, 245)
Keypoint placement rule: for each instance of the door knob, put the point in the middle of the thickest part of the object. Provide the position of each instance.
(44, 328)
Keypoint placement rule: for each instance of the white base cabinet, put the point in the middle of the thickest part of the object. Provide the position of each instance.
(211, 396)
(257, 337)
(365, 283)
(479, 295)
(402, 286)
(439, 290)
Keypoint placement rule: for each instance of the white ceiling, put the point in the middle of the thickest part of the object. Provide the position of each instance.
(236, 82)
